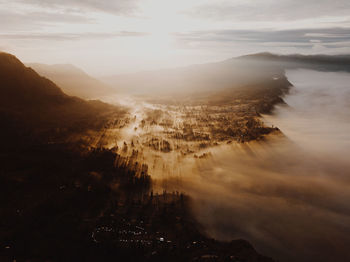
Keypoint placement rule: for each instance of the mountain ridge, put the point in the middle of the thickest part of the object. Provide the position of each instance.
(322, 62)
(73, 80)
(32, 106)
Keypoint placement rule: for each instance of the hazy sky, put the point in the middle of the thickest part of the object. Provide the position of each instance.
(109, 37)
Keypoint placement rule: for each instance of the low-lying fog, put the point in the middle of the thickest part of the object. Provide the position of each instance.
(290, 197)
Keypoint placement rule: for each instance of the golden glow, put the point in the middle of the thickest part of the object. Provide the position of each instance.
(154, 34)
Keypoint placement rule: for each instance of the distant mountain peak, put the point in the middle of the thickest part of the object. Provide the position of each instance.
(59, 68)
(73, 80)
(261, 54)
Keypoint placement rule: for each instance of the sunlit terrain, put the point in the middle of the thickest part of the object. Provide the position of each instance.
(287, 190)
(161, 130)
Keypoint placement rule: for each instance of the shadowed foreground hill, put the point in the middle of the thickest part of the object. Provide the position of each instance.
(73, 80)
(33, 106)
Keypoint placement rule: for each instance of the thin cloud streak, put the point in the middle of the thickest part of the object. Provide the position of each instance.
(270, 10)
(63, 36)
(17, 21)
(325, 35)
(122, 7)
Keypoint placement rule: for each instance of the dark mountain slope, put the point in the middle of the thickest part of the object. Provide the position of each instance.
(33, 107)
